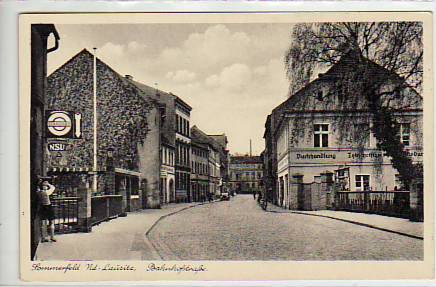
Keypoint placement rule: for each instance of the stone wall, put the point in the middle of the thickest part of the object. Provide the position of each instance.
(121, 110)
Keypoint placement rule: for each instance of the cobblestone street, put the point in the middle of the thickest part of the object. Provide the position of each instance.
(240, 230)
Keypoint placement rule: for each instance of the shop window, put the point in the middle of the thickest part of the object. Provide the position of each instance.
(321, 135)
(405, 134)
(362, 182)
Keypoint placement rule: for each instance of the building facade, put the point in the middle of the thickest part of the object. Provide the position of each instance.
(224, 156)
(128, 133)
(199, 170)
(39, 50)
(215, 161)
(327, 130)
(246, 174)
(183, 151)
(167, 190)
(167, 103)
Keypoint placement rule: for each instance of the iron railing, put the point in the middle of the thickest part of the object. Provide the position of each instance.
(66, 210)
(392, 203)
(106, 207)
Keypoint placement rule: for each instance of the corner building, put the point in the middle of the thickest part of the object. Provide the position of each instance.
(325, 131)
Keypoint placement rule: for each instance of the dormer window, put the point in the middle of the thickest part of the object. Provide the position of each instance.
(320, 95)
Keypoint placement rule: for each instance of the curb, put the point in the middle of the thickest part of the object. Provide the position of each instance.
(153, 245)
(361, 224)
(174, 212)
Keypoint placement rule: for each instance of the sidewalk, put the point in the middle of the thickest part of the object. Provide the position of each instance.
(390, 224)
(122, 238)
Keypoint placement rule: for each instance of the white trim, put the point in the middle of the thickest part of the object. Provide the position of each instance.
(126, 171)
(369, 181)
(321, 132)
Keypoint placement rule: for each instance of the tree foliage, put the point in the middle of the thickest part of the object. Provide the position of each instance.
(395, 46)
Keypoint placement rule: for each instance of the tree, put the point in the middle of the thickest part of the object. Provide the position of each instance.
(395, 46)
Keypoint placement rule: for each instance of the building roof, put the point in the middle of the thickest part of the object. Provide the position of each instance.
(221, 139)
(199, 136)
(182, 102)
(350, 65)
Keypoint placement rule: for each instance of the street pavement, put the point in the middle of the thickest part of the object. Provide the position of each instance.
(240, 230)
(123, 238)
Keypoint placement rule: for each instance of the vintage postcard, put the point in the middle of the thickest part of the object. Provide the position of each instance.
(267, 146)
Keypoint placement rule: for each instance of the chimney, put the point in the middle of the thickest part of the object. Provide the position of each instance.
(128, 77)
(250, 148)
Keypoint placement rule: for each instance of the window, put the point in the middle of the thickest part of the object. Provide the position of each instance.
(321, 135)
(362, 182)
(177, 123)
(320, 96)
(405, 134)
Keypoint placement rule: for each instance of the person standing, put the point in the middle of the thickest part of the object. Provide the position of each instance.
(46, 212)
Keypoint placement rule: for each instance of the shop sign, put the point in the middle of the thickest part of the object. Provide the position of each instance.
(63, 124)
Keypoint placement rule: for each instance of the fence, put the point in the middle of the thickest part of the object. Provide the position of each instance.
(395, 203)
(105, 207)
(66, 211)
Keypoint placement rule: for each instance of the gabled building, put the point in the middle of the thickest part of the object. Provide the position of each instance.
(167, 103)
(215, 154)
(224, 155)
(128, 133)
(325, 131)
(199, 167)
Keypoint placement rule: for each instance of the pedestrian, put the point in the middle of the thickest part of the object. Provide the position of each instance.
(46, 212)
(254, 194)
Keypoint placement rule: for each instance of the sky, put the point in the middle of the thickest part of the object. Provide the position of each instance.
(232, 75)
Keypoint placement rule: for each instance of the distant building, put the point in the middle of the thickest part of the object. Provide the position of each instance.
(216, 156)
(199, 169)
(221, 139)
(246, 174)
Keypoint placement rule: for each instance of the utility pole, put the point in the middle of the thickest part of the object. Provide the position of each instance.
(94, 168)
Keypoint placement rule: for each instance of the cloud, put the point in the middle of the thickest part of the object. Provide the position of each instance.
(213, 49)
(234, 78)
(232, 75)
(181, 76)
(111, 50)
(135, 47)
(212, 81)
